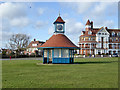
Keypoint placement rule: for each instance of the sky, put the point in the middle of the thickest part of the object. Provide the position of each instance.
(36, 18)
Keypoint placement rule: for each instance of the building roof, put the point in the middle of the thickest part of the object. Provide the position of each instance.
(39, 43)
(95, 30)
(59, 19)
(88, 22)
(59, 40)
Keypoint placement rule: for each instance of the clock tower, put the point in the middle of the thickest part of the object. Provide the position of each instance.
(59, 25)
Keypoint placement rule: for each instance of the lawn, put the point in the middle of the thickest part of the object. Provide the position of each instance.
(86, 73)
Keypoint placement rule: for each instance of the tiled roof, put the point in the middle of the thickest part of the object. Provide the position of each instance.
(58, 40)
(59, 19)
(95, 30)
(39, 43)
(88, 22)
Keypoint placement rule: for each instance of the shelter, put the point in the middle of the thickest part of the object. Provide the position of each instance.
(58, 48)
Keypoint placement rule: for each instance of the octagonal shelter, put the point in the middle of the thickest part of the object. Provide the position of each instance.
(58, 48)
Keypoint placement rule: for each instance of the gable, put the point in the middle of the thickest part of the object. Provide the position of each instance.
(103, 30)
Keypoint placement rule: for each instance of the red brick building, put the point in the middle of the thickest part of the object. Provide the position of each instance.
(99, 40)
(33, 47)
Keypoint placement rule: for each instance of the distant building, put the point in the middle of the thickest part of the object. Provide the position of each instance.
(32, 48)
(99, 40)
(6, 51)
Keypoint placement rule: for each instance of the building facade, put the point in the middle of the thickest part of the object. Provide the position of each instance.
(32, 48)
(102, 40)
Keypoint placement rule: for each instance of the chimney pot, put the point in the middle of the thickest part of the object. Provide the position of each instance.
(106, 28)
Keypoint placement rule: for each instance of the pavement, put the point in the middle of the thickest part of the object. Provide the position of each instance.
(37, 58)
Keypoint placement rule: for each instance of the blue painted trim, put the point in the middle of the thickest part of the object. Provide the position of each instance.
(64, 28)
(43, 55)
(47, 55)
(61, 47)
(61, 60)
(55, 28)
(73, 55)
(52, 55)
(59, 23)
(69, 55)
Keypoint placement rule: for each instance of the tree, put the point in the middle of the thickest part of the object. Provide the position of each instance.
(18, 42)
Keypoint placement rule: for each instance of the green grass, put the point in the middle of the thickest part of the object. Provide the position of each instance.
(86, 73)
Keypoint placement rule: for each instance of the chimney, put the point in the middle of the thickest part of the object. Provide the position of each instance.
(106, 28)
(34, 39)
(91, 24)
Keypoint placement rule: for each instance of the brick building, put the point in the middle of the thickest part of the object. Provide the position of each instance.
(33, 47)
(99, 40)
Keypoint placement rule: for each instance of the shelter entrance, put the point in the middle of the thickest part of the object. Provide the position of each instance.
(50, 56)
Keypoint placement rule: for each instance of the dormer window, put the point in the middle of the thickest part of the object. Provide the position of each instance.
(113, 34)
(118, 34)
(34, 44)
(99, 33)
(89, 32)
(105, 33)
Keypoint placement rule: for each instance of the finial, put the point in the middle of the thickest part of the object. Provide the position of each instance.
(59, 13)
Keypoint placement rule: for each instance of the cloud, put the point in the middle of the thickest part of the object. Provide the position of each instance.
(40, 11)
(40, 24)
(51, 30)
(20, 22)
(12, 10)
(73, 27)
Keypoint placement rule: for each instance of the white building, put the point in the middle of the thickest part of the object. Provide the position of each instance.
(99, 40)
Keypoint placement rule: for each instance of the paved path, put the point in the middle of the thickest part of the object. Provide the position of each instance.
(37, 58)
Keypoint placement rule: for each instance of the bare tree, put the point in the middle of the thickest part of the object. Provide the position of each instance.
(18, 41)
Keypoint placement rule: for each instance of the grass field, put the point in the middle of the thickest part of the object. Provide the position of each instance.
(86, 73)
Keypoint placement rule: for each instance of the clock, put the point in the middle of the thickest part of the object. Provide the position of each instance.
(59, 27)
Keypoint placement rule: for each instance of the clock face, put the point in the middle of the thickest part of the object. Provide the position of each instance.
(59, 27)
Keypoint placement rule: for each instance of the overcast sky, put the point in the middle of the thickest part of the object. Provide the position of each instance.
(37, 21)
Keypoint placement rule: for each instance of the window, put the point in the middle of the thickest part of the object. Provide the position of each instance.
(118, 34)
(99, 33)
(113, 34)
(119, 46)
(84, 52)
(105, 33)
(56, 53)
(45, 53)
(102, 33)
(89, 32)
(113, 46)
(89, 38)
(65, 53)
(84, 39)
(98, 39)
(34, 44)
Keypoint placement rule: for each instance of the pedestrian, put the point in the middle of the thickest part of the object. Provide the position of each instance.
(10, 57)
